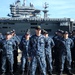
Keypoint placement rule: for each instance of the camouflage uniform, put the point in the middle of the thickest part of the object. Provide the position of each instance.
(37, 54)
(49, 45)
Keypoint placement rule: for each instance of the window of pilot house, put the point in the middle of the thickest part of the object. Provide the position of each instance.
(5, 23)
(49, 30)
(9, 27)
(22, 30)
(46, 24)
(33, 27)
(74, 25)
(11, 23)
(5, 27)
(33, 23)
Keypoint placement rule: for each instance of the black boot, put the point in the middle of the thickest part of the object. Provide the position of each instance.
(60, 73)
(49, 73)
(3, 73)
(22, 73)
(70, 73)
(11, 73)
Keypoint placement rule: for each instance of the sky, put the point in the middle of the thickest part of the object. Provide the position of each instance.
(57, 8)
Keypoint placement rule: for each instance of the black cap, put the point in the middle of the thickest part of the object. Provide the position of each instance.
(60, 31)
(27, 31)
(65, 32)
(44, 31)
(13, 30)
(38, 27)
(73, 31)
(8, 33)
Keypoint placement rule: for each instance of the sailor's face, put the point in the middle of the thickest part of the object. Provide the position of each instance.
(8, 36)
(27, 35)
(65, 35)
(59, 34)
(13, 34)
(46, 35)
(38, 31)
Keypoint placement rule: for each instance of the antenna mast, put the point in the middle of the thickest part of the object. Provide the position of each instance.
(45, 10)
(24, 2)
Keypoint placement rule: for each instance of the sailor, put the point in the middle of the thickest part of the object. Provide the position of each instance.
(24, 47)
(37, 52)
(17, 41)
(49, 45)
(73, 49)
(28, 30)
(43, 31)
(7, 53)
(65, 54)
(58, 36)
(1, 38)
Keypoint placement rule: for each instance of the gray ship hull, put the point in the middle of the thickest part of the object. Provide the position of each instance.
(21, 24)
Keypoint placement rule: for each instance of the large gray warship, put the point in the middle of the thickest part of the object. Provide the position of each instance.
(23, 17)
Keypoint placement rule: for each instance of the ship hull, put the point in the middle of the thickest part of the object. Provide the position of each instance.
(20, 25)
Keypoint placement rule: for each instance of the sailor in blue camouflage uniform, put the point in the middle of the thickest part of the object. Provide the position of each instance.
(17, 41)
(65, 54)
(7, 53)
(49, 45)
(58, 36)
(37, 52)
(1, 38)
(73, 49)
(24, 47)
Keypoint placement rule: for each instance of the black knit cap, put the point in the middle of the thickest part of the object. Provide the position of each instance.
(13, 30)
(65, 32)
(44, 31)
(8, 33)
(38, 27)
(60, 31)
(27, 31)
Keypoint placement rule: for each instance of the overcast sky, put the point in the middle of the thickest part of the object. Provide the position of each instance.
(57, 8)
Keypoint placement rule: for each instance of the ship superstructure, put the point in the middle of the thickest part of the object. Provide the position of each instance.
(23, 17)
(18, 10)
